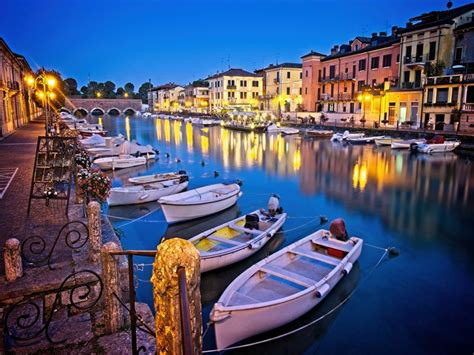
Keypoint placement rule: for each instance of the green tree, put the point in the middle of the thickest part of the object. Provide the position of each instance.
(109, 90)
(70, 87)
(143, 91)
(200, 83)
(120, 91)
(92, 88)
(129, 87)
(84, 91)
(56, 97)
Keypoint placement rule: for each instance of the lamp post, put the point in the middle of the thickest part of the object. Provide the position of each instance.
(47, 83)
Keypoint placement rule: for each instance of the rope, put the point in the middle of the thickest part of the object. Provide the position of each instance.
(136, 219)
(339, 305)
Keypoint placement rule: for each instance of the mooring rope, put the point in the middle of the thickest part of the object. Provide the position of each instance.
(339, 305)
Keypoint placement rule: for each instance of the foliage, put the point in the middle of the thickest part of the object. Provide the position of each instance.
(143, 91)
(70, 87)
(120, 91)
(57, 101)
(129, 87)
(82, 159)
(94, 184)
(200, 83)
(434, 69)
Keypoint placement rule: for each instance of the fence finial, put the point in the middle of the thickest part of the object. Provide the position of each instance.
(172, 255)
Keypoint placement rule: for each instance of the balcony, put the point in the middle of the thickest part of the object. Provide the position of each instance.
(329, 78)
(468, 78)
(326, 97)
(231, 87)
(440, 104)
(346, 76)
(443, 80)
(276, 81)
(468, 107)
(345, 97)
(415, 61)
(411, 85)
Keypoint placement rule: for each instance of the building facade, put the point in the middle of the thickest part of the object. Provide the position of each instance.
(165, 97)
(281, 88)
(234, 89)
(196, 99)
(16, 104)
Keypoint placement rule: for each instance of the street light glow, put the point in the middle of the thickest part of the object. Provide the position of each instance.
(40, 94)
(51, 82)
(126, 94)
(52, 95)
(98, 94)
(29, 80)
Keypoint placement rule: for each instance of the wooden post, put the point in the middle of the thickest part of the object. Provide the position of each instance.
(171, 255)
(95, 230)
(113, 310)
(12, 259)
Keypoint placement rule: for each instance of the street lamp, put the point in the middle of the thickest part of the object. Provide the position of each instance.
(98, 94)
(47, 83)
(125, 95)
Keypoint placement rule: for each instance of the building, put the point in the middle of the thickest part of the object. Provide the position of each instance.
(234, 89)
(464, 62)
(165, 97)
(196, 98)
(16, 104)
(349, 82)
(281, 88)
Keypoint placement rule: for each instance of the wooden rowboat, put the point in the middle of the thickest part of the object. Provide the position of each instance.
(283, 286)
(120, 162)
(232, 241)
(149, 179)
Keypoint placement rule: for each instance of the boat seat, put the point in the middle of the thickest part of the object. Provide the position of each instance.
(334, 243)
(316, 256)
(245, 230)
(287, 275)
(224, 240)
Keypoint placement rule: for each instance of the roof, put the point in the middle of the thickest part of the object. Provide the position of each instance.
(233, 72)
(465, 26)
(386, 42)
(167, 86)
(282, 65)
(313, 53)
(436, 18)
(21, 60)
(363, 39)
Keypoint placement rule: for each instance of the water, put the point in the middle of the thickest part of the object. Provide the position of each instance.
(419, 302)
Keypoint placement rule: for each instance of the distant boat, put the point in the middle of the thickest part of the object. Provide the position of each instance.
(438, 144)
(135, 194)
(339, 137)
(283, 286)
(273, 128)
(233, 241)
(149, 179)
(199, 202)
(386, 141)
(319, 133)
(203, 122)
(120, 162)
(364, 140)
(405, 144)
(247, 127)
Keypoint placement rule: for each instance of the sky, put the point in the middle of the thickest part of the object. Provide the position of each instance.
(184, 40)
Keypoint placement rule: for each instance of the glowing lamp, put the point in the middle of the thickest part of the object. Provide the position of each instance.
(51, 82)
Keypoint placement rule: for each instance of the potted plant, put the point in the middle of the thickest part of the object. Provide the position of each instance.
(95, 185)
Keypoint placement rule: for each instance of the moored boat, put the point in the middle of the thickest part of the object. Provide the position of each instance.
(283, 286)
(319, 133)
(386, 141)
(199, 202)
(364, 140)
(438, 144)
(149, 179)
(405, 144)
(135, 194)
(119, 162)
(339, 137)
(273, 128)
(247, 127)
(238, 239)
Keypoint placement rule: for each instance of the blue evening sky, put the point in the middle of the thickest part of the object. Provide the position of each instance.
(137, 40)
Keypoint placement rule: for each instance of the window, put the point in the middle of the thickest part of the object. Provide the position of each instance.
(414, 111)
(319, 93)
(408, 53)
(324, 73)
(374, 82)
(398, 58)
(345, 88)
(406, 76)
(230, 82)
(374, 63)
(243, 83)
(429, 97)
(231, 95)
(306, 91)
(432, 52)
(361, 64)
(387, 60)
(332, 90)
(332, 71)
(300, 91)
(306, 73)
(324, 89)
(278, 90)
(288, 91)
(454, 95)
(419, 52)
(255, 83)
(442, 95)
(458, 55)
(288, 75)
(243, 95)
(360, 85)
(319, 75)
(255, 95)
(278, 76)
(301, 75)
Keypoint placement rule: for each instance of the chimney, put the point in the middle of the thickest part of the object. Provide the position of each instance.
(383, 34)
(333, 50)
(409, 24)
(394, 30)
(374, 34)
(336, 48)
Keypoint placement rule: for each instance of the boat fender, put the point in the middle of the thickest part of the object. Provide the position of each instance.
(393, 251)
(347, 268)
(219, 318)
(178, 160)
(167, 155)
(142, 197)
(322, 291)
(323, 219)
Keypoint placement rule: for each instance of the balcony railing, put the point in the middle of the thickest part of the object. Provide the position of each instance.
(329, 78)
(418, 59)
(443, 80)
(468, 107)
(411, 85)
(440, 104)
(468, 78)
(231, 87)
(345, 96)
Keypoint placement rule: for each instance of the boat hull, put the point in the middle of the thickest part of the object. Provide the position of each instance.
(120, 197)
(108, 164)
(437, 148)
(178, 213)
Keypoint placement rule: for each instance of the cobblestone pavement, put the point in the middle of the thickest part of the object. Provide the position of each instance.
(18, 151)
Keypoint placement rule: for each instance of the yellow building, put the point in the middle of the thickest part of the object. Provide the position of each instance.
(281, 87)
(234, 89)
(165, 97)
(196, 99)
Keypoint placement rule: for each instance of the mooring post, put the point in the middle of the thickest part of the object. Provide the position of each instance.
(95, 230)
(12, 259)
(113, 311)
(173, 257)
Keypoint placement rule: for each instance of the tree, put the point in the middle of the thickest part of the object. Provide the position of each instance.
(129, 87)
(143, 91)
(120, 91)
(200, 83)
(70, 87)
(84, 91)
(109, 90)
(92, 88)
(56, 97)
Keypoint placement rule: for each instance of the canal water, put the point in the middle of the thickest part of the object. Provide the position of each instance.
(419, 302)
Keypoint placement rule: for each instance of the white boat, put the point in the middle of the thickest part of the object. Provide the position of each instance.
(119, 162)
(407, 143)
(429, 148)
(126, 148)
(319, 133)
(199, 202)
(364, 140)
(273, 128)
(135, 194)
(386, 141)
(339, 137)
(149, 179)
(238, 239)
(195, 121)
(283, 286)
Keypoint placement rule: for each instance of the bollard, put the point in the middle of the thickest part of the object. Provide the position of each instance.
(113, 311)
(12, 259)
(95, 230)
(171, 255)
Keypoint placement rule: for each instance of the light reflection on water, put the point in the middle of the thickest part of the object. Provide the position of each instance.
(420, 203)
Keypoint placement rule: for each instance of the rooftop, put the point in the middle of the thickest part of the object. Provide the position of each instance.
(233, 72)
(282, 65)
(167, 86)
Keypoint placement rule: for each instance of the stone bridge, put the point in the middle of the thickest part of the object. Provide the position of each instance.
(102, 106)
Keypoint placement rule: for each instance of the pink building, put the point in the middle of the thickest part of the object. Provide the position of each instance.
(333, 83)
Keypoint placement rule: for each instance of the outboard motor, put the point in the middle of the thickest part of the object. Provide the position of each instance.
(274, 205)
(338, 230)
(414, 147)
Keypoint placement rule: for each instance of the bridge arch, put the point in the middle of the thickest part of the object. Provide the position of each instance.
(114, 111)
(97, 111)
(64, 109)
(80, 112)
(129, 111)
